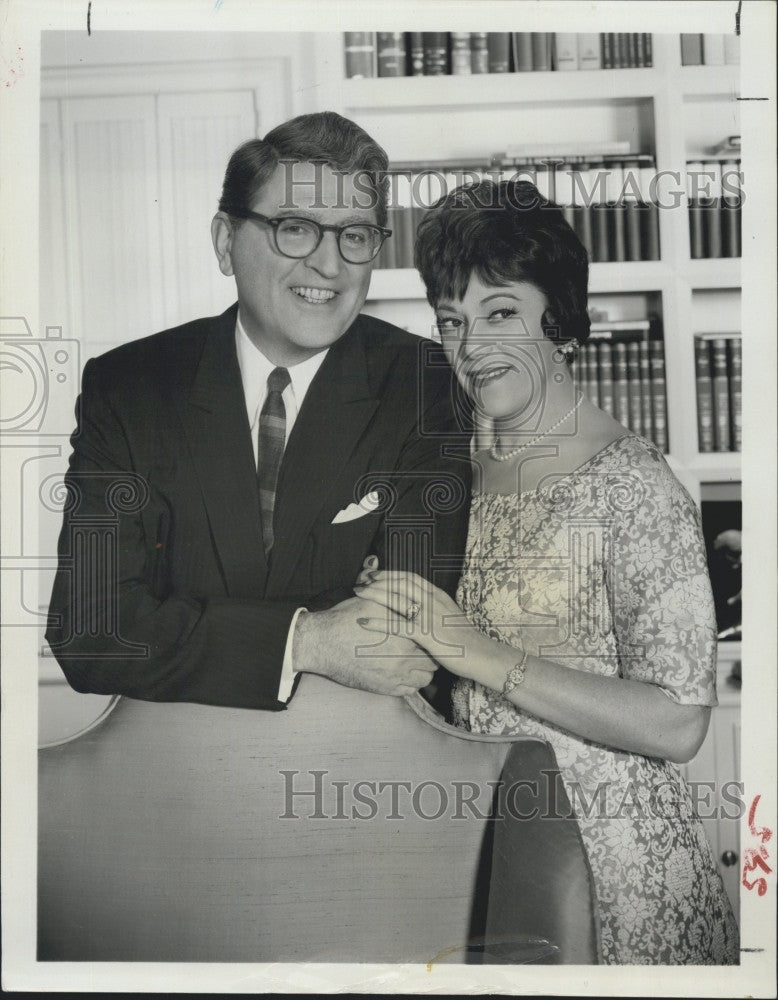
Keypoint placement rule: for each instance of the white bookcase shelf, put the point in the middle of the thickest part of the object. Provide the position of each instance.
(429, 119)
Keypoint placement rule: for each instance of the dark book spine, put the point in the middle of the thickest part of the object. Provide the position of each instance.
(599, 213)
(649, 216)
(720, 395)
(645, 387)
(403, 227)
(696, 233)
(435, 53)
(656, 357)
(541, 50)
(582, 212)
(593, 371)
(388, 256)
(416, 53)
(617, 250)
(563, 192)
(620, 50)
(730, 210)
(648, 42)
(633, 383)
(390, 50)
(711, 229)
(649, 219)
(730, 230)
(691, 50)
(521, 43)
(583, 229)
(360, 50)
(460, 53)
(417, 214)
(738, 217)
(640, 49)
(736, 392)
(620, 386)
(405, 236)
(479, 51)
(499, 46)
(607, 49)
(632, 49)
(696, 238)
(711, 214)
(632, 210)
(704, 394)
(581, 372)
(606, 378)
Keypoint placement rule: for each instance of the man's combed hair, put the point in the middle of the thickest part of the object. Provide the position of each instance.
(325, 137)
(504, 232)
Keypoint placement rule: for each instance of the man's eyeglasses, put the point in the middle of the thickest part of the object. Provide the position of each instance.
(358, 243)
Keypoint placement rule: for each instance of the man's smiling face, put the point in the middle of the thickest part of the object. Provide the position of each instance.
(294, 308)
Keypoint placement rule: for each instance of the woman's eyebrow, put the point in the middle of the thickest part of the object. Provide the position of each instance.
(501, 295)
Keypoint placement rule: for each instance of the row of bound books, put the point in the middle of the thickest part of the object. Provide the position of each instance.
(715, 208)
(710, 50)
(718, 363)
(460, 53)
(607, 202)
(623, 373)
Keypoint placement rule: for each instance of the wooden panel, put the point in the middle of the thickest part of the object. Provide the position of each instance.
(728, 769)
(197, 134)
(113, 253)
(54, 305)
(162, 834)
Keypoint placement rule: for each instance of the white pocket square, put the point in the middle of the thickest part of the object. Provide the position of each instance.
(368, 503)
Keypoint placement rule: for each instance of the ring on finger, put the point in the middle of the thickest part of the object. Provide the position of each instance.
(413, 611)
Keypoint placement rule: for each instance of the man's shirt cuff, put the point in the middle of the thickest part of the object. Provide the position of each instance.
(288, 673)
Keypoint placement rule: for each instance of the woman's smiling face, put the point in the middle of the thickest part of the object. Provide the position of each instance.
(494, 340)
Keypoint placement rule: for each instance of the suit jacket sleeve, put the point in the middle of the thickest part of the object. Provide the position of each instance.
(110, 628)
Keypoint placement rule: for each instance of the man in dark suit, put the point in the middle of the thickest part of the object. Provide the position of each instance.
(230, 476)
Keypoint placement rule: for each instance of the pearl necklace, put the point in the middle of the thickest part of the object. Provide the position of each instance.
(528, 444)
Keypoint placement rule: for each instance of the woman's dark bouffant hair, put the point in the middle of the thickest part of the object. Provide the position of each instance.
(324, 137)
(504, 232)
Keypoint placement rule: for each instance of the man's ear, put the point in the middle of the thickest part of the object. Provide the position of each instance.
(222, 232)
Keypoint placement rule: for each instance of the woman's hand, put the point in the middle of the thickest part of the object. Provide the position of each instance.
(416, 608)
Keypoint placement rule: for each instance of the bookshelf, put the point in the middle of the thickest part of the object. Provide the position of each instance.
(672, 111)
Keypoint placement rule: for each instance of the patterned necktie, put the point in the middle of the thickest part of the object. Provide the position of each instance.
(272, 437)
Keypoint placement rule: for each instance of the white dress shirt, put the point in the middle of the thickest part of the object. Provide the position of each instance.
(254, 371)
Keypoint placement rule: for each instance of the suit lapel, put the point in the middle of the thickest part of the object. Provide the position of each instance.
(332, 419)
(217, 428)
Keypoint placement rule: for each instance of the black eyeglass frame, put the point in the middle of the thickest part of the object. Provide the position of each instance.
(276, 221)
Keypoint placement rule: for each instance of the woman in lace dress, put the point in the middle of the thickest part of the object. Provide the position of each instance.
(588, 616)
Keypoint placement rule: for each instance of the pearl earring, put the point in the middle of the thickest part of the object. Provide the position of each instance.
(570, 349)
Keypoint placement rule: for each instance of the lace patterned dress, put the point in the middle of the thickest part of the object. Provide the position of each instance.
(605, 571)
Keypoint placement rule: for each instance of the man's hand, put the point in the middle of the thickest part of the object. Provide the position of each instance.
(333, 644)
